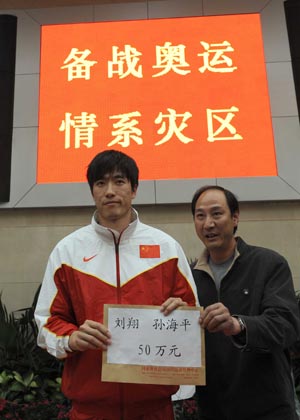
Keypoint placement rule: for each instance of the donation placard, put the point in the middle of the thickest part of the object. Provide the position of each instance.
(149, 347)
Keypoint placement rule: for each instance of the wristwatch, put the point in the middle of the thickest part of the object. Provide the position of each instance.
(241, 323)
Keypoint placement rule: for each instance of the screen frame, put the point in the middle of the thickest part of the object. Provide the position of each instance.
(26, 193)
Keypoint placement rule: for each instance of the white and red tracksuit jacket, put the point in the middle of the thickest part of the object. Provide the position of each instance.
(93, 266)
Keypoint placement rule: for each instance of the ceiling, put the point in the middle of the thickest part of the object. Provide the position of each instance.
(38, 4)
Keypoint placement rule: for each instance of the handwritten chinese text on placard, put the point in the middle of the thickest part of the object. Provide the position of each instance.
(148, 347)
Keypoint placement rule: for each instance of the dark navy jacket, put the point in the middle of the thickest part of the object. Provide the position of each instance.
(253, 382)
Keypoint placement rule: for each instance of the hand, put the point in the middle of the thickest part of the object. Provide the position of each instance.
(217, 318)
(91, 335)
(170, 304)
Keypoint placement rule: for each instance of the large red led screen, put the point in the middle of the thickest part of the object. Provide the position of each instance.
(186, 97)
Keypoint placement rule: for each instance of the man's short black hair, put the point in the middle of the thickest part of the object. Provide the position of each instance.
(109, 161)
(231, 199)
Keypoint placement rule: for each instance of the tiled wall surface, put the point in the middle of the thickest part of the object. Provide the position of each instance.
(286, 186)
(28, 236)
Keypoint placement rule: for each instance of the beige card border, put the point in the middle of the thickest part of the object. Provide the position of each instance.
(144, 374)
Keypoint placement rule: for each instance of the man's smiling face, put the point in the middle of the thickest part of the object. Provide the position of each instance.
(214, 223)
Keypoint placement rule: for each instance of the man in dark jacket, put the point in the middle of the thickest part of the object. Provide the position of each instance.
(250, 317)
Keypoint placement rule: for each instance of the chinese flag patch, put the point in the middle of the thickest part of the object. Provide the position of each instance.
(149, 251)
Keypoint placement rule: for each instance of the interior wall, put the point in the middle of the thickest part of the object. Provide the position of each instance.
(25, 192)
(27, 237)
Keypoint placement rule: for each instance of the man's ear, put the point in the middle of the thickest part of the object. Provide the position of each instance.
(236, 218)
(134, 191)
